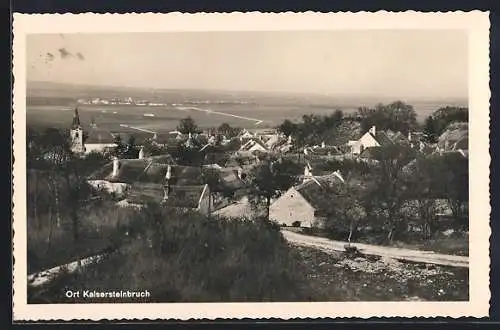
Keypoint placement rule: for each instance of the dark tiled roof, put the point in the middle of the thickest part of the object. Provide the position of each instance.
(382, 138)
(367, 153)
(453, 134)
(144, 170)
(319, 197)
(163, 159)
(96, 135)
(463, 144)
(229, 178)
(180, 196)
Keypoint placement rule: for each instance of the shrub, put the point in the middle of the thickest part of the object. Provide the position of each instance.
(296, 224)
(183, 256)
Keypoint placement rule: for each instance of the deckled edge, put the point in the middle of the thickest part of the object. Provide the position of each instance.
(106, 14)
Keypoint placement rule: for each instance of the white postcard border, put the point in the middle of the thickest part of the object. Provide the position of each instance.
(477, 25)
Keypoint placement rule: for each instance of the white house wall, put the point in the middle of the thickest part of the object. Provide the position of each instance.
(291, 207)
(117, 188)
(98, 147)
(366, 141)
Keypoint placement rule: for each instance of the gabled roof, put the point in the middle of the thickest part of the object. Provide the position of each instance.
(454, 133)
(252, 142)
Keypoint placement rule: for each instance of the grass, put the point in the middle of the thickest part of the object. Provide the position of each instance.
(100, 227)
(181, 257)
(334, 277)
(455, 244)
(185, 257)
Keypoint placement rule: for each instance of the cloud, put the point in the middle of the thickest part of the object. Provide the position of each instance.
(80, 56)
(65, 54)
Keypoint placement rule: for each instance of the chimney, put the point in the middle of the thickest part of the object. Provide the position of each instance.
(307, 173)
(373, 130)
(116, 166)
(166, 187)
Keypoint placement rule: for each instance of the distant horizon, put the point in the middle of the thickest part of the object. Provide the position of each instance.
(261, 92)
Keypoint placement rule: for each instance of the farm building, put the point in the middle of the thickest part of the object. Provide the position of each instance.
(454, 139)
(99, 140)
(144, 180)
(254, 145)
(306, 203)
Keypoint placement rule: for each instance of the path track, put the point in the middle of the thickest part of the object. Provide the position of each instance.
(329, 246)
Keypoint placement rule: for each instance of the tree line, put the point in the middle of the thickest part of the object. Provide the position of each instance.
(397, 116)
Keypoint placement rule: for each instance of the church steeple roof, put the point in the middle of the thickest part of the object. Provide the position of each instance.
(76, 119)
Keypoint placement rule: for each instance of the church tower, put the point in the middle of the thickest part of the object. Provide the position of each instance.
(76, 134)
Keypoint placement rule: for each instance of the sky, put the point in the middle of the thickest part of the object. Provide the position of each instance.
(403, 63)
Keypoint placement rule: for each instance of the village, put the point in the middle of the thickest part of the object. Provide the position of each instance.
(358, 182)
(149, 171)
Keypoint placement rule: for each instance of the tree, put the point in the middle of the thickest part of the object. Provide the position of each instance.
(65, 173)
(391, 188)
(228, 131)
(396, 116)
(268, 181)
(422, 186)
(346, 208)
(187, 125)
(431, 131)
(187, 156)
(287, 128)
(131, 150)
(120, 148)
(437, 123)
(449, 175)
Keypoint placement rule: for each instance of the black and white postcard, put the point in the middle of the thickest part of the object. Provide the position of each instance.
(248, 165)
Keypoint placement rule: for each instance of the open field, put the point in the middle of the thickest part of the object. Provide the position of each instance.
(51, 105)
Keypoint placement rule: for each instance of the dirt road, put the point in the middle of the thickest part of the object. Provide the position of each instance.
(328, 245)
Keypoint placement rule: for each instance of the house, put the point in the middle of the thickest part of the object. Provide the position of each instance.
(142, 180)
(245, 135)
(307, 203)
(454, 139)
(192, 197)
(240, 209)
(272, 141)
(243, 161)
(370, 139)
(254, 145)
(99, 140)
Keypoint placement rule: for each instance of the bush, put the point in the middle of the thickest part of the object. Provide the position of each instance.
(102, 227)
(296, 224)
(181, 256)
